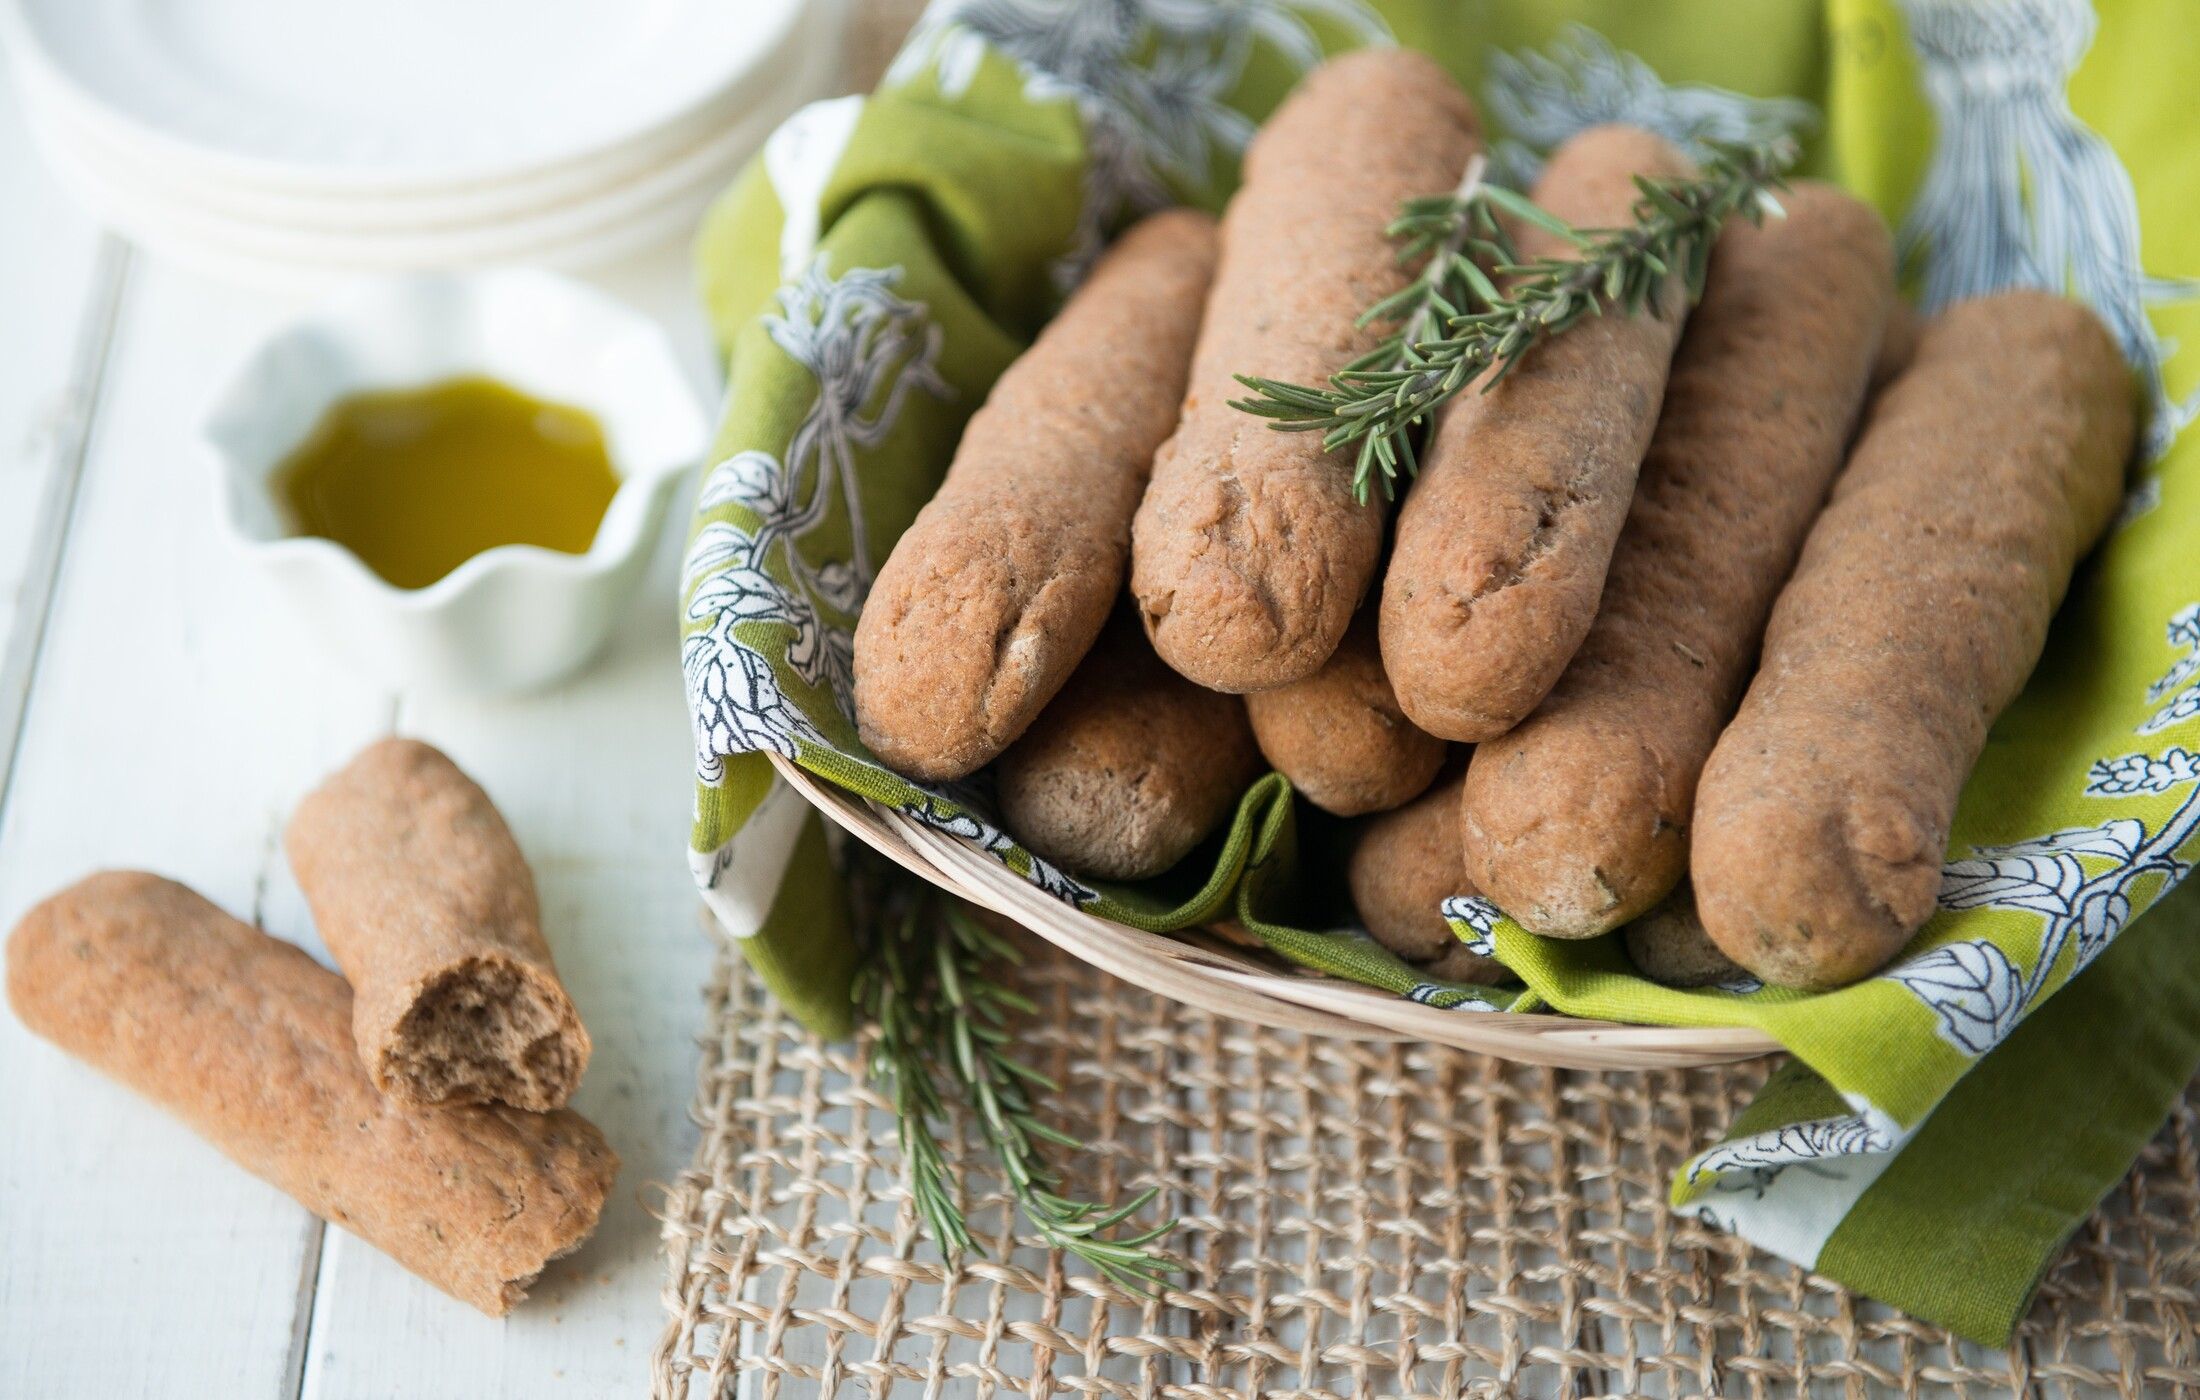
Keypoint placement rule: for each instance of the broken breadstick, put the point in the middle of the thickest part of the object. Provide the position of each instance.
(426, 903)
(1503, 542)
(996, 592)
(248, 1041)
(1250, 552)
(1339, 735)
(1918, 608)
(1577, 820)
(1129, 768)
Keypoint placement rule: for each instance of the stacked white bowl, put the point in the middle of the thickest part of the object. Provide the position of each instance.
(284, 140)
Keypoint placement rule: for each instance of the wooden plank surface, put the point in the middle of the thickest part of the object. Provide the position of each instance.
(59, 281)
(162, 731)
(175, 712)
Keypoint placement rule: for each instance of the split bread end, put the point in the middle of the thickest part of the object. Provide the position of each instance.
(427, 905)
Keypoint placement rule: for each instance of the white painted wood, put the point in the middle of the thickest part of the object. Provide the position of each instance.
(177, 712)
(51, 348)
(137, 1261)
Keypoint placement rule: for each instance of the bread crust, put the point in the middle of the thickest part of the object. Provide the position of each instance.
(1404, 865)
(248, 1041)
(1668, 945)
(1339, 735)
(998, 588)
(1897, 344)
(1577, 820)
(1130, 767)
(1503, 542)
(1918, 609)
(1250, 554)
(427, 905)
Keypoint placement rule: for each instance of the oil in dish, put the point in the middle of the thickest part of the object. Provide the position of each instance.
(416, 481)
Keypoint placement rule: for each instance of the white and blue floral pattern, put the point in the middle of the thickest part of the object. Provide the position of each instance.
(1479, 917)
(1151, 79)
(2084, 882)
(2019, 192)
(1581, 81)
(1765, 1154)
(868, 350)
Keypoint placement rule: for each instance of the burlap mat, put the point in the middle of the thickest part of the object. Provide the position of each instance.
(1357, 1221)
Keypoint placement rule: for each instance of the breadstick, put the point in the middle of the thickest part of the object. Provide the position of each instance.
(1918, 608)
(1249, 554)
(1577, 820)
(998, 589)
(248, 1041)
(427, 905)
(1339, 735)
(1503, 542)
(1404, 865)
(1129, 768)
(1897, 344)
(1668, 945)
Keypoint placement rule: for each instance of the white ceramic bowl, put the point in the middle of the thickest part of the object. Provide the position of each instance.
(512, 618)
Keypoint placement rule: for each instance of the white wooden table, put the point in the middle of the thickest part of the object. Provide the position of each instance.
(160, 709)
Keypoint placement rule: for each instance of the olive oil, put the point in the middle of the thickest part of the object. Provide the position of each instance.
(417, 481)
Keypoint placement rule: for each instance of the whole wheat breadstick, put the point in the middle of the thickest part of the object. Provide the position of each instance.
(1250, 554)
(1404, 865)
(426, 903)
(1129, 768)
(1918, 608)
(998, 589)
(1668, 945)
(1896, 345)
(1339, 735)
(248, 1041)
(1503, 542)
(1577, 820)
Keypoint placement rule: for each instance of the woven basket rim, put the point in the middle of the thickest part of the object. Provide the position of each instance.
(1226, 983)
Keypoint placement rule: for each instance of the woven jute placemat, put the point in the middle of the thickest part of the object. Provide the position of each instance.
(1357, 1220)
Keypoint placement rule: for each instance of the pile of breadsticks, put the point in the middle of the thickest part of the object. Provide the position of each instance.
(1722, 596)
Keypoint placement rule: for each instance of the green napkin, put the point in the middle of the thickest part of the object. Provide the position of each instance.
(888, 255)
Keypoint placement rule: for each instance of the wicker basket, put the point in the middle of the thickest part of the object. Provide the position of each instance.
(1222, 970)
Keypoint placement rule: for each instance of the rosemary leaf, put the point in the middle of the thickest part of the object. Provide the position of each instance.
(929, 987)
(1454, 321)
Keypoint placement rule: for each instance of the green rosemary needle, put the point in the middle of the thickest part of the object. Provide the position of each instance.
(1454, 321)
(942, 1017)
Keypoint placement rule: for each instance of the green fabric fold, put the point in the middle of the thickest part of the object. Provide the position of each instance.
(2027, 1144)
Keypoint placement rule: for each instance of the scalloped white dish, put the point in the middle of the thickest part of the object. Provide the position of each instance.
(513, 618)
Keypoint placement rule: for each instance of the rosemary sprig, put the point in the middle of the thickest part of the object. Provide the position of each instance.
(1379, 399)
(942, 1016)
